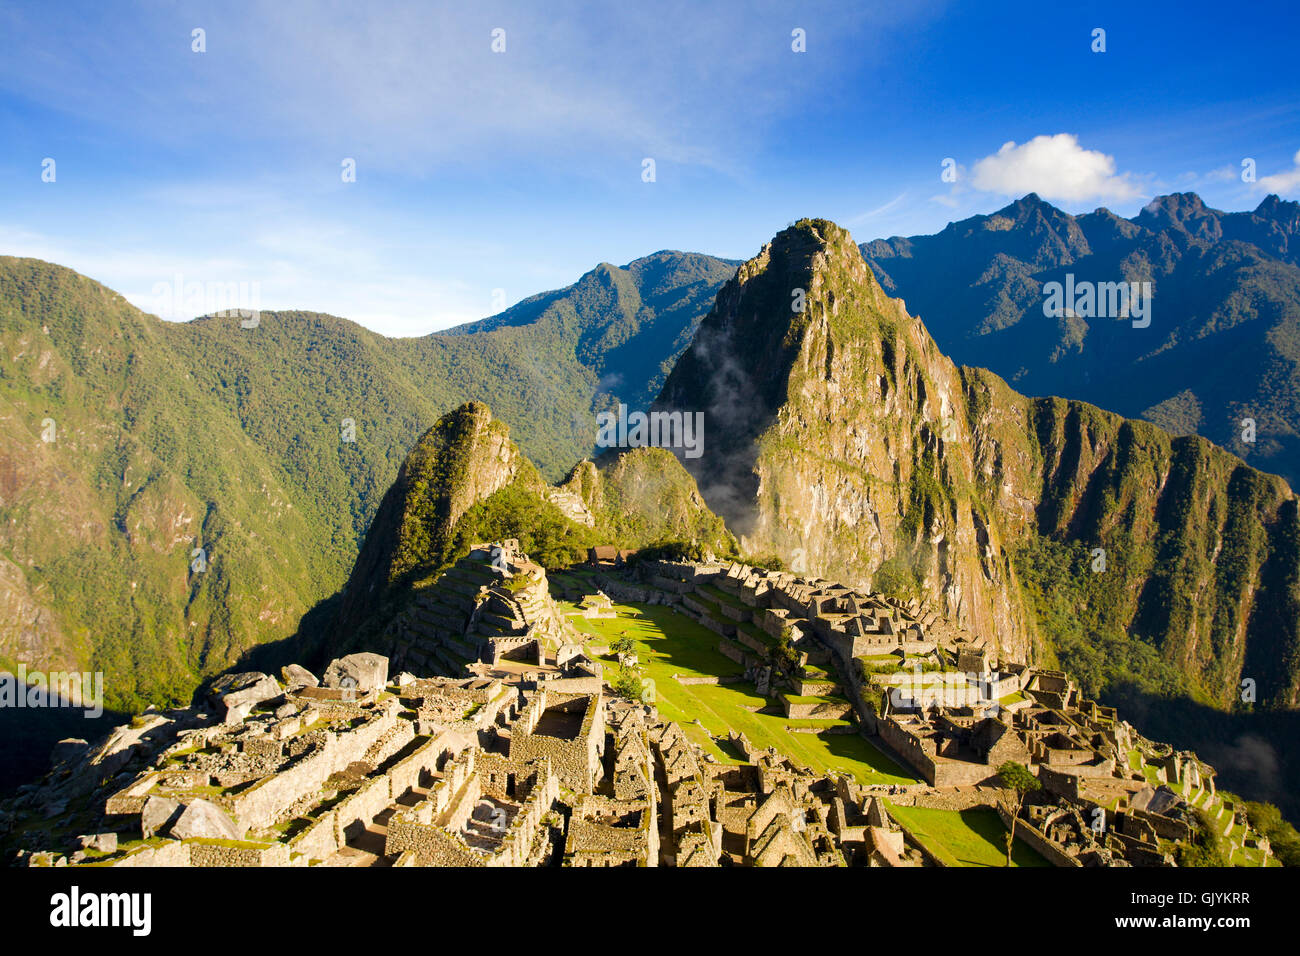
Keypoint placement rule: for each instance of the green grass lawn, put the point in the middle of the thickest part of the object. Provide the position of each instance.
(671, 643)
(974, 837)
(719, 596)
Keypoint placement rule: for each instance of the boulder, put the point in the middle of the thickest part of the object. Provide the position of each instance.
(158, 812)
(295, 675)
(203, 820)
(68, 751)
(361, 672)
(240, 693)
(104, 842)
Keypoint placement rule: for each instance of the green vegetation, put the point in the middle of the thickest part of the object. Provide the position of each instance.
(173, 436)
(430, 518)
(669, 643)
(1075, 608)
(897, 577)
(1282, 836)
(974, 837)
(544, 533)
(1206, 846)
(627, 683)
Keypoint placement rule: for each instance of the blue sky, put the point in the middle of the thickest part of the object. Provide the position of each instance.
(484, 177)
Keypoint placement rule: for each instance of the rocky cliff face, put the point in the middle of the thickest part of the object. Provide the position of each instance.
(839, 437)
(835, 435)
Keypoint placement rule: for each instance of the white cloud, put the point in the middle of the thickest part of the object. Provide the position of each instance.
(1055, 167)
(1286, 181)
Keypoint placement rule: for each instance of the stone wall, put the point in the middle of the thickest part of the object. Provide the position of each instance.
(212, 853)
(352, 814)
(930, 858)
(415, 769)
(429, 831)
(263, 803)
(318, 841)
(576, 761)
(169, 853)
(1031, 835)
(961, 798)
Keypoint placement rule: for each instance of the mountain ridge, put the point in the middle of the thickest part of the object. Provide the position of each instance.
(1224, 346)
(240, 439)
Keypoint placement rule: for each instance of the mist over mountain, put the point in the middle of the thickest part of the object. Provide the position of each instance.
(1223, 344)
(1152, 566)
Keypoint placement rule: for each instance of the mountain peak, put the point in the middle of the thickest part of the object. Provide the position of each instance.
(462, 459)
(807, 301)
(1274, 207)
(1027, 205)
(1175, 207)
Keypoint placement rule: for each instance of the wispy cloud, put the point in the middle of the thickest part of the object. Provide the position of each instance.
(410, 87)
(878, 211)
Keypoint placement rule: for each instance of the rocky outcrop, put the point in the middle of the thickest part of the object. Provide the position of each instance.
(462, 459)
(203, 820)
(640, 496)
(238, 694)
(363, 672)
(836, 434)
(295, 675)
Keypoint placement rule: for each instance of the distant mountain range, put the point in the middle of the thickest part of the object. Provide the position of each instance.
(130, 443)
(1223, 344)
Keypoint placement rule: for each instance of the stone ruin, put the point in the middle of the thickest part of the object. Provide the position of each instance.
(522, 758)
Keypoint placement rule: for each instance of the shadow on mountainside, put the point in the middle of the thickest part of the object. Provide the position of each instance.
(1251, 752)
(309, 646)
(29, 734)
